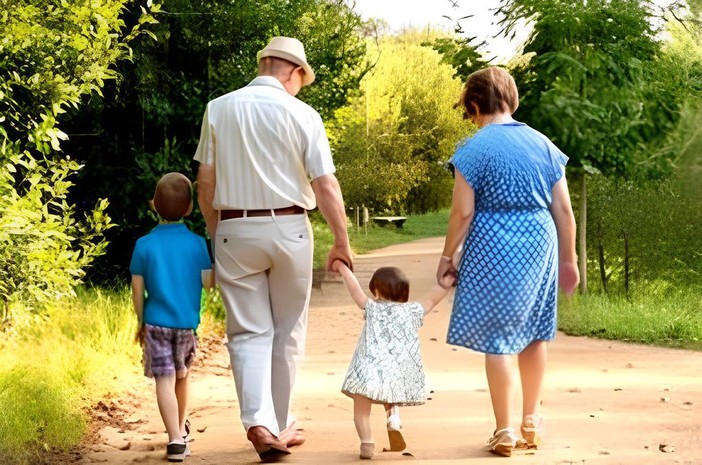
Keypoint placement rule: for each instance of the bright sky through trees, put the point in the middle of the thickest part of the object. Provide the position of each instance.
(419, 13)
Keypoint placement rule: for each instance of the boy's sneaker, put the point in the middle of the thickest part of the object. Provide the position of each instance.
(176, 452)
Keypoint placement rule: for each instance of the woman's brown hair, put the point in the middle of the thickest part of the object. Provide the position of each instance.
(492, 90)
(390, 283)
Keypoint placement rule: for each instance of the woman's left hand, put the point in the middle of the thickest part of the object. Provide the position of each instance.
(446, 273)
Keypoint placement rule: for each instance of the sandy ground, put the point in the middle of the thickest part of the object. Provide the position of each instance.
(604, 402)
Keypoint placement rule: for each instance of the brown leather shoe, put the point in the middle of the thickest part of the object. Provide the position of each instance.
(268, 447)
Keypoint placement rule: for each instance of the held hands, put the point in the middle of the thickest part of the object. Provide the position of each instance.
(446, 273)
(339, 253)
(337, 265)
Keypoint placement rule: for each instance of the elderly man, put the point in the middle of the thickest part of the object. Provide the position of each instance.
(264, 162)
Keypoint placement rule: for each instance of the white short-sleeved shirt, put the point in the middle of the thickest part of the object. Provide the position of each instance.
(265, 146)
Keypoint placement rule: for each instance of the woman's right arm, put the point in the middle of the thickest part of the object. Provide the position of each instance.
(562, 213)
(460, 218)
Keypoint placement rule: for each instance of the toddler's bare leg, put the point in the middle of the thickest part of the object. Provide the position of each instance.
(361, 418)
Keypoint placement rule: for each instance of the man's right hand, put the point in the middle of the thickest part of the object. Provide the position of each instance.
(341, 252)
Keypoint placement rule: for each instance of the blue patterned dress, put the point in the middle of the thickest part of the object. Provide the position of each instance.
(386, 366)
(507, 278)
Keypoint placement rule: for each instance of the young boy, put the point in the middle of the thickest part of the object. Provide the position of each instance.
(166, 270)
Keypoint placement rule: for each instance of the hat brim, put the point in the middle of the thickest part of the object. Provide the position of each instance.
(309, 76)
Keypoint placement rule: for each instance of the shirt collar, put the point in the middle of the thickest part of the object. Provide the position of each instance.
(268, 81)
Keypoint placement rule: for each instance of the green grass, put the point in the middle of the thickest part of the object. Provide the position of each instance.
(672, 319)
(57, 365)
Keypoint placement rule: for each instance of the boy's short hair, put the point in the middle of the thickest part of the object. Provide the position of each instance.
(492, 90)
(173, 198)
(390, 283)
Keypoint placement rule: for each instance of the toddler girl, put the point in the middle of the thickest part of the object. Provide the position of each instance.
(386, 367)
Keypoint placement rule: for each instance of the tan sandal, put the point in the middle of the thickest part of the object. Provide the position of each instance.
(503, 442)
(531, 426)
(397, 442)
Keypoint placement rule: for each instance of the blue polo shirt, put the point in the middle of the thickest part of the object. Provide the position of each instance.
(170, 259)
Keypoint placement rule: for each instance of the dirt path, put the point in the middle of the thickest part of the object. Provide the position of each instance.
(605, 402)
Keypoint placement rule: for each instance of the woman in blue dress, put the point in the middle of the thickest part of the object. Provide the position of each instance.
(511, 215)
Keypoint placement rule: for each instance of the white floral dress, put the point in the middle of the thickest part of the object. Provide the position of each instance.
(386, 366)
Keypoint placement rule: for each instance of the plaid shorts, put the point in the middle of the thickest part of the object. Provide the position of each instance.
(168, 351)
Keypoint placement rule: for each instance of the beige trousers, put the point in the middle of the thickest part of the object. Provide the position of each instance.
(264, 268)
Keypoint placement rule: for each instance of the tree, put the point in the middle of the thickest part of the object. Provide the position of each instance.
(658, 243)
(585, 84)
(51, 55)
(149, 121)
(392, 142)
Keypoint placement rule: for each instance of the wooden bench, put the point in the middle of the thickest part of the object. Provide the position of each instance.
(385, 220)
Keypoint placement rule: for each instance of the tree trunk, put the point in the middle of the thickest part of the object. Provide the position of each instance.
(582, 255)
(626, 264)
(601, 256)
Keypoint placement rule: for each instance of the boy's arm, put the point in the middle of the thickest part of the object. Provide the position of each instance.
(138, 301)
(352, 285)
(434, 296)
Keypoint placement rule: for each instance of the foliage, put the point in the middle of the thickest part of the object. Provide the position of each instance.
(149, 121)
(391, 143)
(678, 89)
(44, 249)
(584, 83)
(460, 54)
(52, 54)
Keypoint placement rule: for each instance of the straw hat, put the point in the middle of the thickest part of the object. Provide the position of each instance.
(291, 50)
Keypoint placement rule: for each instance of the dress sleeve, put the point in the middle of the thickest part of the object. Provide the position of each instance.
(558, 162)
(469, 163)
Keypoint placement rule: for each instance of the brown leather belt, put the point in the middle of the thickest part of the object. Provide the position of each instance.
(229, 214)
